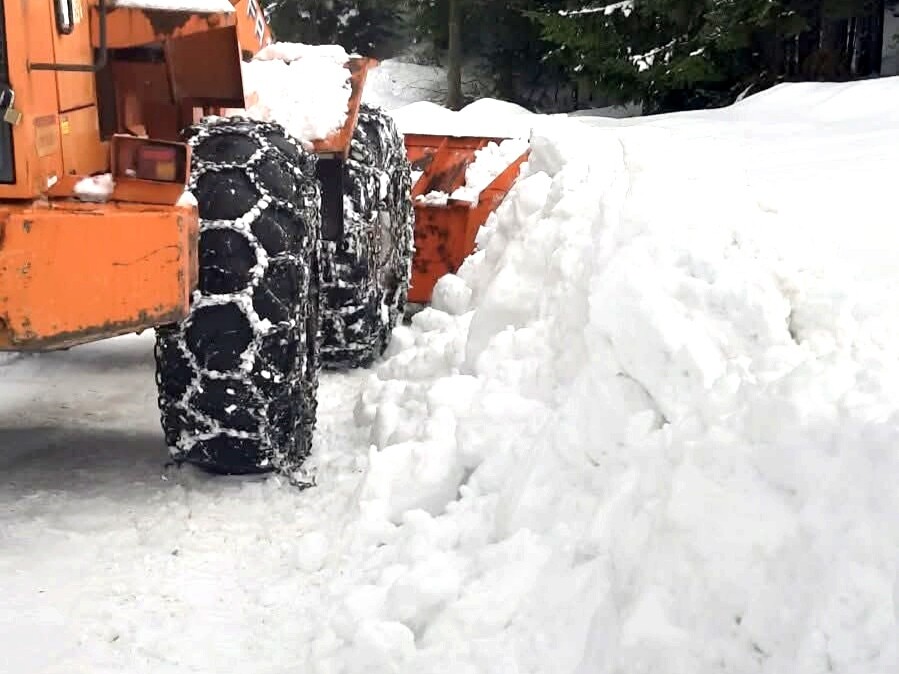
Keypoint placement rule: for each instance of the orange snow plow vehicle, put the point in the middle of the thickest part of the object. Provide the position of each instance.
(92, 87)
(131, 198)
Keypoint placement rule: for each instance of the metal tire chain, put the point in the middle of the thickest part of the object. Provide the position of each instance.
(358, 313)
(198, 428)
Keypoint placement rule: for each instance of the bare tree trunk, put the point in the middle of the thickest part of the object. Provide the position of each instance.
(877, 46)
(454, 58)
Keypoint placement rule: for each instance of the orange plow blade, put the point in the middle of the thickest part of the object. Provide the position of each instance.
(445, 233)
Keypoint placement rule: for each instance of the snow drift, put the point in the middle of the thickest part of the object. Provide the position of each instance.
(651, 425)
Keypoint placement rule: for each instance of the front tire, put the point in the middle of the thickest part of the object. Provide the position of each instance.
(238, 378)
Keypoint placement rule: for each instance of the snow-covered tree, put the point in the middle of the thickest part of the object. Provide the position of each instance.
(365, 26)
(681, 54)
(498, 34)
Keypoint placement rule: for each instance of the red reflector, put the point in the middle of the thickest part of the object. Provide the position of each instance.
(156, 162)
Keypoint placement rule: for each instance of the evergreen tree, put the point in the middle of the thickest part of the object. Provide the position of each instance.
(498, 35)
(369, 27)
(683, 54)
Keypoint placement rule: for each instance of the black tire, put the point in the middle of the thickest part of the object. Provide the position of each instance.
(238, 378)
(365, 275)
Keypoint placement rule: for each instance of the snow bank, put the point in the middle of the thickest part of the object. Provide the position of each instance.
(296, 51)
(303, 87)
(873, 100)
(484, 117)
(396, 83)
(488, 163)
(651, 425)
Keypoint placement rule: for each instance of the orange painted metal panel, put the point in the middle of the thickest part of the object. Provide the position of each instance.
(132, 27)
(439, 233)
(75, 90)
(204, 68)
(337, 144)
(129, 186)
(74, 273)
(445, 234)
(253, 30)
(82, 150)
(36, 96)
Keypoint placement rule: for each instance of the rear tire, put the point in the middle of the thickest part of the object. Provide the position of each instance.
(237, 379)
(365, 275)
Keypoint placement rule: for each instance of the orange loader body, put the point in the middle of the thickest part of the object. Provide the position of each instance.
(91, 89)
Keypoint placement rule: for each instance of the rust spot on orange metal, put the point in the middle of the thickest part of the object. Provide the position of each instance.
(130, 27)
(90, 271)
(167, 22)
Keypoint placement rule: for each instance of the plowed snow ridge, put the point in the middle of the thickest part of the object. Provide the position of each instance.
(651, 426)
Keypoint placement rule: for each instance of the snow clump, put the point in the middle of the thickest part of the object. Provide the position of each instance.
(311, 109)
(648, 427)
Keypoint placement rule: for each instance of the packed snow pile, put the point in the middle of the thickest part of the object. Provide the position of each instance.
(484, 117)
(396, 83)
(488, 163)
(98, 188)
(305, 88)
(651, 426)
(433, 198)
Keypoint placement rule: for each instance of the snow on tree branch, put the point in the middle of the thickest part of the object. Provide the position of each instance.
(625, 6)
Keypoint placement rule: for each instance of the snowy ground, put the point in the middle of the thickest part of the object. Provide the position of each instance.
(111, 562)
(396, 83)
(649, 428)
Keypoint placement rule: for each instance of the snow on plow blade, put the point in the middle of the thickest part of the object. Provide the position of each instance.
(445, 229)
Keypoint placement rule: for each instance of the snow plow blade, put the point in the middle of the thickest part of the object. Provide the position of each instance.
(445, 233)
(337, 144)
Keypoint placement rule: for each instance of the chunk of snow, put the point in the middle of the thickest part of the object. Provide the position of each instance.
(296, 51)
(488, 163)
(95, 188)
(451, 294)
(433, 198)
(304, 88)
(484, 117)
(187, 198)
